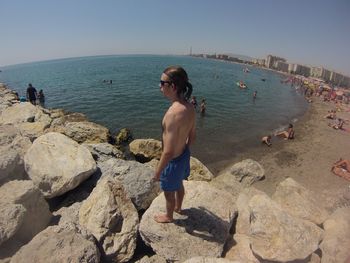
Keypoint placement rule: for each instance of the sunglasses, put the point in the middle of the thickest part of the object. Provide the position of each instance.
(162, 82)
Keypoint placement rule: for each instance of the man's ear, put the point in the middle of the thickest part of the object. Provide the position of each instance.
(173, 86)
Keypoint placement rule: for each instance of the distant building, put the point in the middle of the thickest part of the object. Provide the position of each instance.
(259, 62)
(271, 61)
(319, 72)
(281, 66)
(299, 69)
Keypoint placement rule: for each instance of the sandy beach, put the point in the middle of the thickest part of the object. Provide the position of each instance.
(309, 157)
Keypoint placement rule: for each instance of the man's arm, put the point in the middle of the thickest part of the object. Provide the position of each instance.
(192, 134)
(169, 142)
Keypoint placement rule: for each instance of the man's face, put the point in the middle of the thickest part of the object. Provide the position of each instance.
(165, 85)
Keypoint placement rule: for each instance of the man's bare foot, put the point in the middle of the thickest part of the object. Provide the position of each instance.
(162, 218)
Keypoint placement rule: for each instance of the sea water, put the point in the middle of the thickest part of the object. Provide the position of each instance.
(234, 121)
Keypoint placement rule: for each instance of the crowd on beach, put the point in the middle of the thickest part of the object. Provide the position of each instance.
(337, 98)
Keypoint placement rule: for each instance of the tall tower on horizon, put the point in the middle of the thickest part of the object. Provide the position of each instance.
(191, 51)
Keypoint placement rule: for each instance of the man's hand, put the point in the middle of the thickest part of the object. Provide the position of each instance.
(156, 178)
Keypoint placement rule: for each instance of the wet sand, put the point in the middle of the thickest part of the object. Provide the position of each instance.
(308, 158)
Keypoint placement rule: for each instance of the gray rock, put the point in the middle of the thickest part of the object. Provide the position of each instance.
(277, 236)
(198, 171)
(110, 216)
(247, 172)
(210, 260)
(87, 132)
(336, 242)
(104, 151)
(27, 211)
(241, 250)
(146, 149)
(57, 164)
(299, 202)
(58, 244)
(152, 259)
(136, 179)
(202, 229)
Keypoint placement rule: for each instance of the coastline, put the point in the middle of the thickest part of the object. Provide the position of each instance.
(308, 158)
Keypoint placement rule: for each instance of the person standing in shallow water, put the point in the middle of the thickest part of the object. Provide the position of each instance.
(31, 94)
(179, 129)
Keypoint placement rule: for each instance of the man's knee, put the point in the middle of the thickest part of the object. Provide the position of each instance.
(169, 196)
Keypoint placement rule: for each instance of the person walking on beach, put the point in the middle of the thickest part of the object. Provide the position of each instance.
(31, 94)
(179, 130)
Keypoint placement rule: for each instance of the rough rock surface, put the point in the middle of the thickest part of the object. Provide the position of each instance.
(146, 149)
(136, 179)
(247, 172)
(299, 201)
(202, 229)
(198, 171)
(335, 245)
(277, 236)
(241, 250)
(87, 132)
(25, 213)
(104, 151)
(57, 164)
(58, 244)
(210, 260)
(110, 216)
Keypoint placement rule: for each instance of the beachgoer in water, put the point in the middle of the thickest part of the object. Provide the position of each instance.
(288, 134)
(255, 94)
(41, 97)
(194, 102)
(178, 134)
(342, 168)
(203, 106)
(31, 94)
(266, 140)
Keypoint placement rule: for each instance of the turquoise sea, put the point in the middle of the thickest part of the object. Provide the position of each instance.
(234, 121)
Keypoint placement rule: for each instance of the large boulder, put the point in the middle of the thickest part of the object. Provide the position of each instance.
(146, 149)
(12, 149)
(87, 132)
(104, 151)
(299, 201)
(200, 259)
(24, 213)
(202, 229)
(19, 113)
(241, 250)
(247, 172)
(198, 171)
(110, 216)
(30, 120)
(136, 179)
(277, 236)
(336, 241)
(57, 164)
(58, 244)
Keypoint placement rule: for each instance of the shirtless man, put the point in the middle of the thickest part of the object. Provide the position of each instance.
(178, 134)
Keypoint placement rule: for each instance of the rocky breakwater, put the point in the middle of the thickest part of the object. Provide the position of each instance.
(68, 194)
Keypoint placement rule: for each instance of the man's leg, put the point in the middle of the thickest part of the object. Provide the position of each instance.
(170, 206)
(179, 197)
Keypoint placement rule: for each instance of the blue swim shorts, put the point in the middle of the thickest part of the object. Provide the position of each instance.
(177, 170)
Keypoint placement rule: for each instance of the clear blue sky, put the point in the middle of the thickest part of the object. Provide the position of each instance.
(314, 32)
